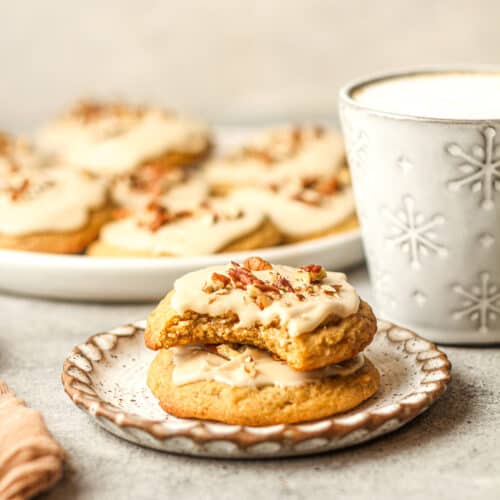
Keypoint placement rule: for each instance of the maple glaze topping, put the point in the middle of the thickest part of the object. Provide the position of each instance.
(300, 207)
(177, 189)
(47, 199)
(204, 230)
(242, 366)
(296, 299)
(113, 138)
(279, 154)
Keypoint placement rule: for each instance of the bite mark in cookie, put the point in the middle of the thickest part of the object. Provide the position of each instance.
(306, 316)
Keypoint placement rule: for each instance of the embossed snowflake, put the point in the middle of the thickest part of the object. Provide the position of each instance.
(381, 282)
(480, 304)
(480, 169)
(413, 233)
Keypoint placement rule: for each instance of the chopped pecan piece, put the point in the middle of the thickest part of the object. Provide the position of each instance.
(227, 351)
(17, 192)
(263, 301)
(157, 216)
(283, 284)
(312, 273)
(120, 213)
(221, 279)
(217, 282)
(242, 277)
(249, 366)
(257, 264)
(327, 186)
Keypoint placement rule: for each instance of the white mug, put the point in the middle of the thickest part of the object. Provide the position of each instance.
(428, 198)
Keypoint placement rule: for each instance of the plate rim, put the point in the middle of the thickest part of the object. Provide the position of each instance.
(86, 263)
(203, 432)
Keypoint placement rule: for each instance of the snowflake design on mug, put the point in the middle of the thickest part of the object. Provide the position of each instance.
(413, 233)
(480, 168)
(481, 303)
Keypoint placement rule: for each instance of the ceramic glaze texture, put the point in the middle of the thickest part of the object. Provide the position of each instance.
(428, 196)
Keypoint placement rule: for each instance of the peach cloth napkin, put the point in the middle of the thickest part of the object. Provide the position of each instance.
(30, 460)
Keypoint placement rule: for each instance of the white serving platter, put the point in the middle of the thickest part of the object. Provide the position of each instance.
(77, 277)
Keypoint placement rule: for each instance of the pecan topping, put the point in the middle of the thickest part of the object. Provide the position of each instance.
(226, 351)
(217, 282)
(120, 213)
(263, 301)
(157, 216)
(312, 273)
(243, 277)
(17, 192)
(327, 186)
(249, 366)
(88, 110)
(283, 284)
(257, 264)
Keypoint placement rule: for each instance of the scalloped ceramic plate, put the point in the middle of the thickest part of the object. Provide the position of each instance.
(106, 377)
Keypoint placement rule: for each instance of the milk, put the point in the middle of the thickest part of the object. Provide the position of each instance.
(450, 95)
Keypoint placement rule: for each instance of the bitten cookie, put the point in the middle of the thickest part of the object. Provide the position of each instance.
(110, 138)
(249, 387)
(276, 155)
(54, 210)
(307, 317)
(215, 227)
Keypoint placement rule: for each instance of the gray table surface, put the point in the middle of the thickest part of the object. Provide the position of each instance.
(451, 451)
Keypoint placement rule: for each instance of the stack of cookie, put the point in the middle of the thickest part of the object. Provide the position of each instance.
(261, 344)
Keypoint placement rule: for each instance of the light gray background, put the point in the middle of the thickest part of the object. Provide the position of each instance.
(229, 60)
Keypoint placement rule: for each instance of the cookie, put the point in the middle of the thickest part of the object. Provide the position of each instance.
(54, 210)
(276, 155)
(109, 138)
(174, 188)
(307, 317)
(251, 388)
(304, 209)
(215, 227)
(17, 155)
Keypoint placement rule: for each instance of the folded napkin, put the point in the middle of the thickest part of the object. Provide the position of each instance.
(30, 460)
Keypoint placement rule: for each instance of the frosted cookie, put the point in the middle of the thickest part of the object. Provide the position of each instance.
(246, 386)
(113, 138)
(175, 189)
(55, 210)
(307, 317)
(216, 226)
(16, 155)
(276, 155)
(304, 209)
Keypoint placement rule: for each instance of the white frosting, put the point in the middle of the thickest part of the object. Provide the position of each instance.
(114, 143)
(316, 156)
(16, 154)
(296, 218)
(440, 95)
(249, 368)
(54, 199)
(287, 308)
(177, 189)
(199, 234)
